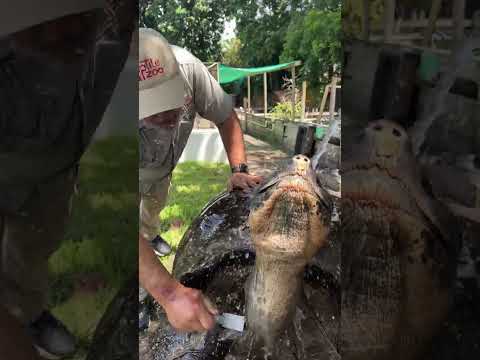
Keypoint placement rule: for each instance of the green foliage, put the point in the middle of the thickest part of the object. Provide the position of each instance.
(283, 110)
(101, 236)
(231, 52)
(194, 25)
(314, 38)
(261, 28)
(267, 31)
(104, 217)
(194, 184)
(275, 31)
(353, 13)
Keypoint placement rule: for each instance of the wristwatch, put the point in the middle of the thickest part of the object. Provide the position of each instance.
(240, 168)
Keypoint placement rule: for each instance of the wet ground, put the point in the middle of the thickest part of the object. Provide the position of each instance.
(262, 158)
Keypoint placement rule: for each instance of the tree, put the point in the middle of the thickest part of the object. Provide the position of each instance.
(315, 39)
(196, 25)
(231, 52)
(261, 28)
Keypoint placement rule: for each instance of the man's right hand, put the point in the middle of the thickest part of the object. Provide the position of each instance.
(188, 310)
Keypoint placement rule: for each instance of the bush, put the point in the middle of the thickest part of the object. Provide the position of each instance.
(283, 111)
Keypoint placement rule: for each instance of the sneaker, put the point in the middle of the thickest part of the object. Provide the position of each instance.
(143, 309)
(160, 246)
(51, 338)
(143, 317)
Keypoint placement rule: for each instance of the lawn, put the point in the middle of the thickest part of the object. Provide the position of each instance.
(194, 184)
(100, 248)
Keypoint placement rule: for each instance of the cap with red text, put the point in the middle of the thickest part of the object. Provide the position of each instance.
(161, 86)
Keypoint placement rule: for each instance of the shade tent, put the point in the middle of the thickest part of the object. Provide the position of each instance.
(229, 74)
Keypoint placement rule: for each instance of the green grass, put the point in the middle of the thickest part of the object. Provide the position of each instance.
(194, 184)
(100, 248)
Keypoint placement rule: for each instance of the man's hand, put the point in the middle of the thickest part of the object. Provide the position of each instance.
(243, 181)
(232, 138)
(188, 310)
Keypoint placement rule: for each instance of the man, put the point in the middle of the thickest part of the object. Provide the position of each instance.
(174, 87)
(56, 81)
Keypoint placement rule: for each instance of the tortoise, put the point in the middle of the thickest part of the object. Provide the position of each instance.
(399, 250)
(377, 287)
(258, 254)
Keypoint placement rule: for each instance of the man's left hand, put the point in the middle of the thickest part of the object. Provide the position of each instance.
(243, 181)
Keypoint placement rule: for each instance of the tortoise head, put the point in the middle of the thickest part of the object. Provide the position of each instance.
(290, 214)
(383, 144)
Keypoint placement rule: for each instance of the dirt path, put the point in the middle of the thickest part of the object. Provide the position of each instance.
(262, 158)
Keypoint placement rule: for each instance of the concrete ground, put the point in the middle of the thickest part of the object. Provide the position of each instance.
(262, 158)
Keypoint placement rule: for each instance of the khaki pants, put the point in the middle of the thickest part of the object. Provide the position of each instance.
(27, 241)
(154, 195)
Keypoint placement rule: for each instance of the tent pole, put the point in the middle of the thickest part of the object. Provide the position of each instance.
(304, 99)
(265, 95)
(333, 92)
(294, 100)
(324, 101)
(389, 19)
(432, 19)
(459, 19)
(249, 105)
(366, 20)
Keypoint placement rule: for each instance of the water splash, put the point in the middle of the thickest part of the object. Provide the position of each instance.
(436, 104)
(323, 144)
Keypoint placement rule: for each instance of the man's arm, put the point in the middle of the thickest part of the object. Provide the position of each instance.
(212, 103)
(186, 308)
(232, 137)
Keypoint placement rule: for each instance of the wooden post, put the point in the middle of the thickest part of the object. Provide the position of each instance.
(432, 20)
(459, 19)
(324, 101)
(249, 107)
(333, 93)
(218, 72)
(265, 102)
(389, 19)
(304, 99)
(366, 20)
(294, 100)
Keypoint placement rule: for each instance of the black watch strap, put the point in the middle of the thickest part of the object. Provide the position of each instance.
(240, 168)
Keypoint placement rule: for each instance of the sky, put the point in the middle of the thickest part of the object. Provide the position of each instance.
(229, 31)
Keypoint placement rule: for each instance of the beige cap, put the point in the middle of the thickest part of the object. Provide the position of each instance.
(19, 15)
(161, 86)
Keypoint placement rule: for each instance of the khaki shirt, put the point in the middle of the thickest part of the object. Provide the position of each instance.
(161, 150)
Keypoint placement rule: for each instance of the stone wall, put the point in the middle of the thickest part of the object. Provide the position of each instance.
(281, 134)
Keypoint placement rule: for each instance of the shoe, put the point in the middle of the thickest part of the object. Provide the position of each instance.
(51, 338)
(143, 317)
(160, 246)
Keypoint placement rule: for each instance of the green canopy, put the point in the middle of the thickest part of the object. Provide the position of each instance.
(229, 74)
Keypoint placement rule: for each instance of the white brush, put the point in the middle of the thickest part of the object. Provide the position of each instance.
(231, 321)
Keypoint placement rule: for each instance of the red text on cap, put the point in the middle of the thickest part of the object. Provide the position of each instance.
(149, 68)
